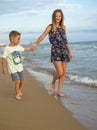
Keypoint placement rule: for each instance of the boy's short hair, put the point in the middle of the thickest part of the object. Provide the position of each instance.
(14, 34)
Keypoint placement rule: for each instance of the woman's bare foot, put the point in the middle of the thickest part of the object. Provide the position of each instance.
(60, 94)
(53, 87)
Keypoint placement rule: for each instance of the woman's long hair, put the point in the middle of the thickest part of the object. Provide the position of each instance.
(61, 22)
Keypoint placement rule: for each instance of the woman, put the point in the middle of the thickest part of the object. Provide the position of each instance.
(60, 50)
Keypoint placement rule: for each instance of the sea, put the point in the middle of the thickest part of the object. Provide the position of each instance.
(80, 86)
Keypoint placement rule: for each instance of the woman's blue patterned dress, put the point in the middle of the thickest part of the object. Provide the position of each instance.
(59, 51)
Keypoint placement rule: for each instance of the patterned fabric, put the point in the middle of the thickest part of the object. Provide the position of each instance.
(59, 51)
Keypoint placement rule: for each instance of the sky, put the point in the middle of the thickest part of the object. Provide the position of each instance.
(32, 16)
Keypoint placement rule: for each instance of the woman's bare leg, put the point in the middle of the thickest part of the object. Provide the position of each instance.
(55, 77)
(61, 79)
(60, 74)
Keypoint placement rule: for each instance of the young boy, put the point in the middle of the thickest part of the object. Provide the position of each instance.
(13, 56)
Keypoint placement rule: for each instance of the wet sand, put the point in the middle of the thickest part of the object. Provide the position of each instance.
(36, 111)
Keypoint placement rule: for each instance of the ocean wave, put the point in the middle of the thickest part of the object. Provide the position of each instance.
(85, 48)
(43, 68)
(83, 80)
(36, 68)
(94, 47)
(75, 78)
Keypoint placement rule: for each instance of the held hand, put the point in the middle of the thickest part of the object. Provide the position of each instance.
(33, 47)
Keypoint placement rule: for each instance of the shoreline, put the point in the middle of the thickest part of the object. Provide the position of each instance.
(77, 98)
(37, 110)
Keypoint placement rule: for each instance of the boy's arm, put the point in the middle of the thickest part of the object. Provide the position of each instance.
(4, 69)
(30, 48)
(27, 49)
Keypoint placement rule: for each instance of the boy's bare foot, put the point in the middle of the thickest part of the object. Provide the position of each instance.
(20, 93)
(18, 97)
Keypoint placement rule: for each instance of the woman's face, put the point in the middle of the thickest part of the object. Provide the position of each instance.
(58, 17)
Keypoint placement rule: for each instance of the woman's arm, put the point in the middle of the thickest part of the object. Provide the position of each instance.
(68, 47)
(41, 37)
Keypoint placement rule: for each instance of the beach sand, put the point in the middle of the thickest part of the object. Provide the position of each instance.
(36, 111)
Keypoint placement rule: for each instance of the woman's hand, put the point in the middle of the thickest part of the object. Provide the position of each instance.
(70, 54)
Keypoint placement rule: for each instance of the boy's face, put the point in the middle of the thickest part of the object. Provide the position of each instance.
(16, 39)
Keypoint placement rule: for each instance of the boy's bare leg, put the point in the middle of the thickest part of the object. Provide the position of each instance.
(17, 89)
(20, 92)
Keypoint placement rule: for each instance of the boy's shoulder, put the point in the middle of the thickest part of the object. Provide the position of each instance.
(12, 47)
(6, 47)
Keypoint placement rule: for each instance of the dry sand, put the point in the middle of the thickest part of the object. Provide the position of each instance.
(36, 111)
